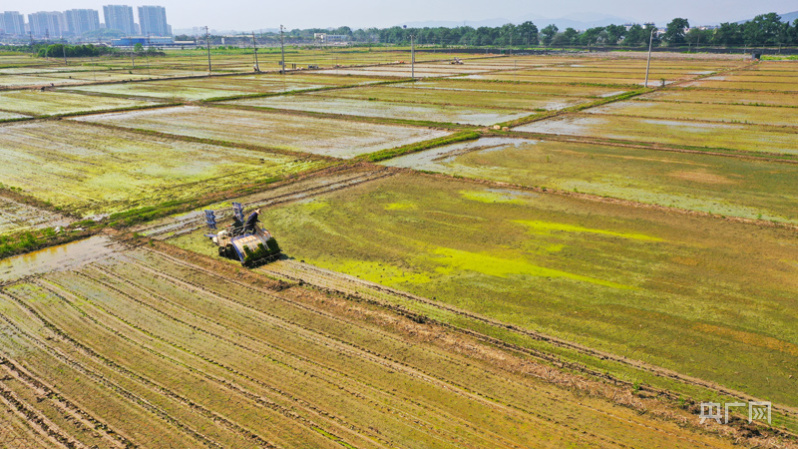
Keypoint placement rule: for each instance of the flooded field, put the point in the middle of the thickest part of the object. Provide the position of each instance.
(265, 129)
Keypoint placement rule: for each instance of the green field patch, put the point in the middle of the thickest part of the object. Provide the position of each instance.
(329, 137)
(541, 227)
(687, 273)
(35, 102)
(727, 186)
(88, 170)
(674, 132)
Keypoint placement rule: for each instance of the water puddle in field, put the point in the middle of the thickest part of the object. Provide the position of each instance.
(57, 258)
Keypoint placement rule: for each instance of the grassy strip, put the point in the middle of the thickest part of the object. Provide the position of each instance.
(420, 146)
(29, 241)
(577, 108)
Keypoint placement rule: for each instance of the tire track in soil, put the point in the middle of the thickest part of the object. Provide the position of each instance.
(62, 293)
(223, 382)
(39, 423)
(342, 347)
(97, 378)
(337, 283)
(71, 411)
(454, 385)
(355, 391)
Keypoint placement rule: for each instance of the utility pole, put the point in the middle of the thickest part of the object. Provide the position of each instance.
(64, 48)
(650, 45)
(208, 44)
(255, 46)
(282, 51)
(413, 56)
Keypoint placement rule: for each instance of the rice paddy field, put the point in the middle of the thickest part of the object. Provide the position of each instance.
(37, 103)
(673, 132)
(208, 88)
(720, 185)
(90, 171)
(320, 136)
(525, 251)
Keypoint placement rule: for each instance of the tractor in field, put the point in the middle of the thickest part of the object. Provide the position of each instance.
(244, 240)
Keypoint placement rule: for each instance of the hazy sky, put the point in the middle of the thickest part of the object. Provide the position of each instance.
(257, 14)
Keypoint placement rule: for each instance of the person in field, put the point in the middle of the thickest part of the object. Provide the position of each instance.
(252, 220)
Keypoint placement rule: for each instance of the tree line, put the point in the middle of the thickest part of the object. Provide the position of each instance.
(763, 30)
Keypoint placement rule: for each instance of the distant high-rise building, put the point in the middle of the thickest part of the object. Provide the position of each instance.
(13, 23)
(80, 21)
(119, 17)
(152, 20)
(47, 24)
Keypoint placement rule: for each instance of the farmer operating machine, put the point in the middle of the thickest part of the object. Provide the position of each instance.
(244, 240)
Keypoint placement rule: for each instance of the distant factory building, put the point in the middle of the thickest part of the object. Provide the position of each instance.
(12, 23)
(119, 17)
(81, 21)
(152, 20)
(47, 24)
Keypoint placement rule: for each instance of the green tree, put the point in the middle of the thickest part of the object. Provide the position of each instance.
(138, 48)
(728, 34)
(764, 29)
(614, 33)
(697, 36)
(674, 32)
(548, 33)
(528, 33)
(590, 36)
(635, 36)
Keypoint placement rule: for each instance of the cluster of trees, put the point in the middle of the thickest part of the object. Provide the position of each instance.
(72, 51)
(764, 30)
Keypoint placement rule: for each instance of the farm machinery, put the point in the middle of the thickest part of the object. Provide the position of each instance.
(244, 240)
